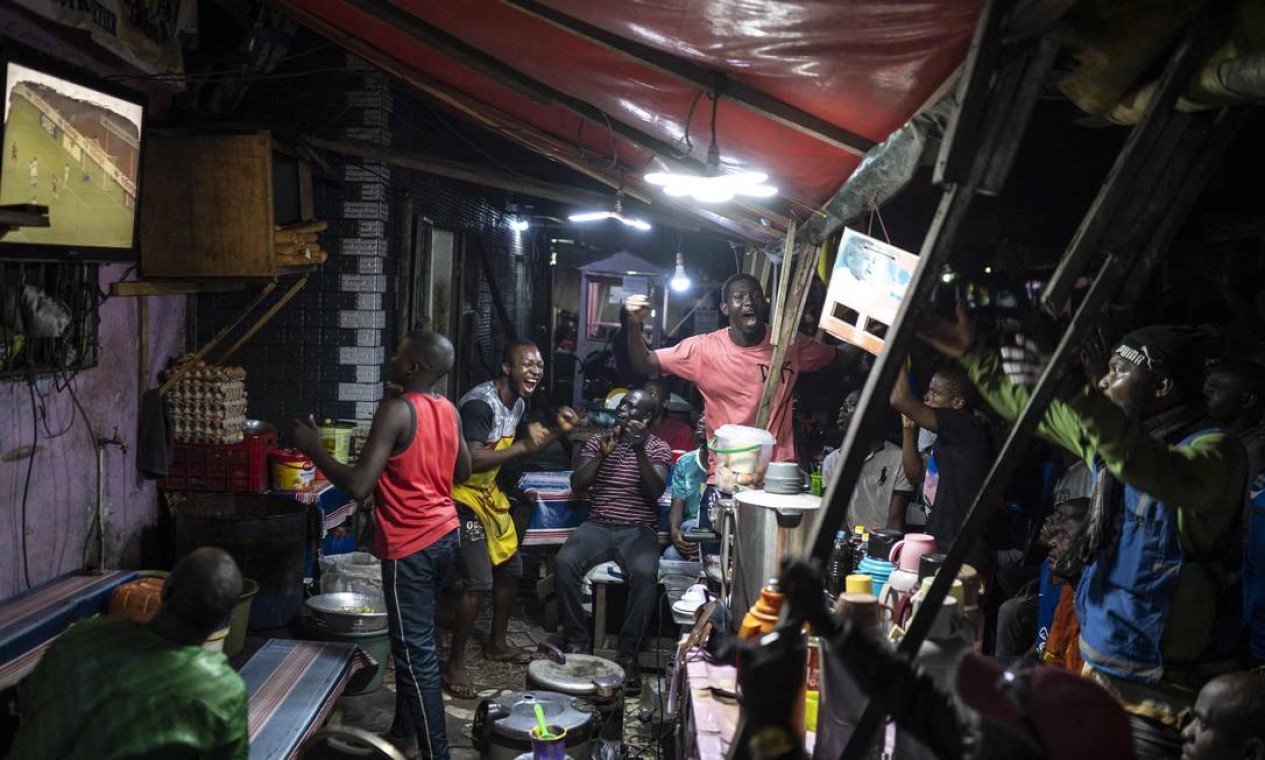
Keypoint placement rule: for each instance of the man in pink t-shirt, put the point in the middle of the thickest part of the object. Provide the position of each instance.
(730, 365)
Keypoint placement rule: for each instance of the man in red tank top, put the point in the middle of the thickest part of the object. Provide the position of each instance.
(414, 453)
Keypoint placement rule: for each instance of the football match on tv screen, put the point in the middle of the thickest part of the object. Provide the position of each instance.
(74, 150)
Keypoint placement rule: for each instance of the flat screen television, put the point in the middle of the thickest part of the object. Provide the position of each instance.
(72, 143)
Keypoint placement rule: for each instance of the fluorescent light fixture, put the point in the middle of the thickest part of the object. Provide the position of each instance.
(680, 280)
(519, 225)
(714, 188)
(615, 213)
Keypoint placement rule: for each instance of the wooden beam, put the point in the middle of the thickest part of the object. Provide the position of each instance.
(516, 130)
(468, 55)
(141, 288)
(730, 89)
(142, 348)
(957, 156)
(441, 167)
(1164, 218)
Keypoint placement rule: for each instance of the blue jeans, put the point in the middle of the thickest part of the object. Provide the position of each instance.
(674, 553)
(410, 586)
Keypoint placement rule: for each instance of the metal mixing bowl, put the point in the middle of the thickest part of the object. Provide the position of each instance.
(336, 611)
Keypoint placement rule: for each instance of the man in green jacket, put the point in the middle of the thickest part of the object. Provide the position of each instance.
(113, 688)
(1167, 500)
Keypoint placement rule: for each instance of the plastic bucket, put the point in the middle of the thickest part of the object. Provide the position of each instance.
(336, 438)
(742, 456)
(291, 470)
(266, 535)
(215, 642)
(240, 619)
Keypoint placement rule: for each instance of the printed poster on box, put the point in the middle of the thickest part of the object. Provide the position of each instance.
(866, 287)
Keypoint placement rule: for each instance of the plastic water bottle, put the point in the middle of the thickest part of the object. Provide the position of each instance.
(856, 544)
(840, 564)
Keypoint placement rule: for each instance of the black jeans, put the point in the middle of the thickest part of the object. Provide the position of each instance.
(410, 585)
(636, 549)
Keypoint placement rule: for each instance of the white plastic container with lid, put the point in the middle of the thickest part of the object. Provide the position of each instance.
(742, 456)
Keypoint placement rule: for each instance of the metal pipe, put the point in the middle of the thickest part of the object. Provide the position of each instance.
(101, 508)
(102, 500)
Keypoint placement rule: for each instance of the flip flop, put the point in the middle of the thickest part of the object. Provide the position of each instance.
(459, 690)
(516, 656)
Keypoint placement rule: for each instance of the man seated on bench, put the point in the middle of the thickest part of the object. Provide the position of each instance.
(624, 473)
(110, 687)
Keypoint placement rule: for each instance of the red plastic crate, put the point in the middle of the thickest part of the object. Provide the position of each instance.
(221, 467)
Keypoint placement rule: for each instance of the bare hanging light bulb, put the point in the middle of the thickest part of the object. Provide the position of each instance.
(680, 280)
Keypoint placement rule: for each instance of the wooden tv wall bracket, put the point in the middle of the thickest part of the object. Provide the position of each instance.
(142, 288)
(233, 324)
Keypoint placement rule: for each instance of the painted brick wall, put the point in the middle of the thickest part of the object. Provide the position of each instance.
(325, 352)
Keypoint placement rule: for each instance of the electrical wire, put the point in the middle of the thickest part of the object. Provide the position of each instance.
(94, 523)
(689, 118)
(224, 77)
(26, 488)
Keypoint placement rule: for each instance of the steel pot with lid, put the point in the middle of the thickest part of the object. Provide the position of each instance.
(502, 725)
(596, 680)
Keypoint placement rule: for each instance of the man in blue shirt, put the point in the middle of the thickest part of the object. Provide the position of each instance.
(689, 479)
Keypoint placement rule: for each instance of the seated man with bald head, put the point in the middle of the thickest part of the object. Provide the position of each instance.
(113, 688)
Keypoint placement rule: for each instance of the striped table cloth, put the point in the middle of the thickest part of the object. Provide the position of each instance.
(32, 620)
(556, 512)
(293, 685)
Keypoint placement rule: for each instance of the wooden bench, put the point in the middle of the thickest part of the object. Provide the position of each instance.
(293, 686)
(32, 620)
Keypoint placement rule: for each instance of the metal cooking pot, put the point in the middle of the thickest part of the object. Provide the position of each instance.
(502, 725)
(349, 612)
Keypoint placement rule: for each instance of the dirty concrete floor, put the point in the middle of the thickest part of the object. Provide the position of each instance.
(374, 711)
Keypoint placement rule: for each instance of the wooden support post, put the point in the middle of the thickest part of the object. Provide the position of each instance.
(793, 310)
(784, 281)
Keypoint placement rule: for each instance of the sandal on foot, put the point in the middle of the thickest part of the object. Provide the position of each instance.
(459, 689)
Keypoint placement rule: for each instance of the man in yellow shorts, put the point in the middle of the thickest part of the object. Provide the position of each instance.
(488, 559)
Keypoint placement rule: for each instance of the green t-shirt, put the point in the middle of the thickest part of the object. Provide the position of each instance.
(112, 688)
